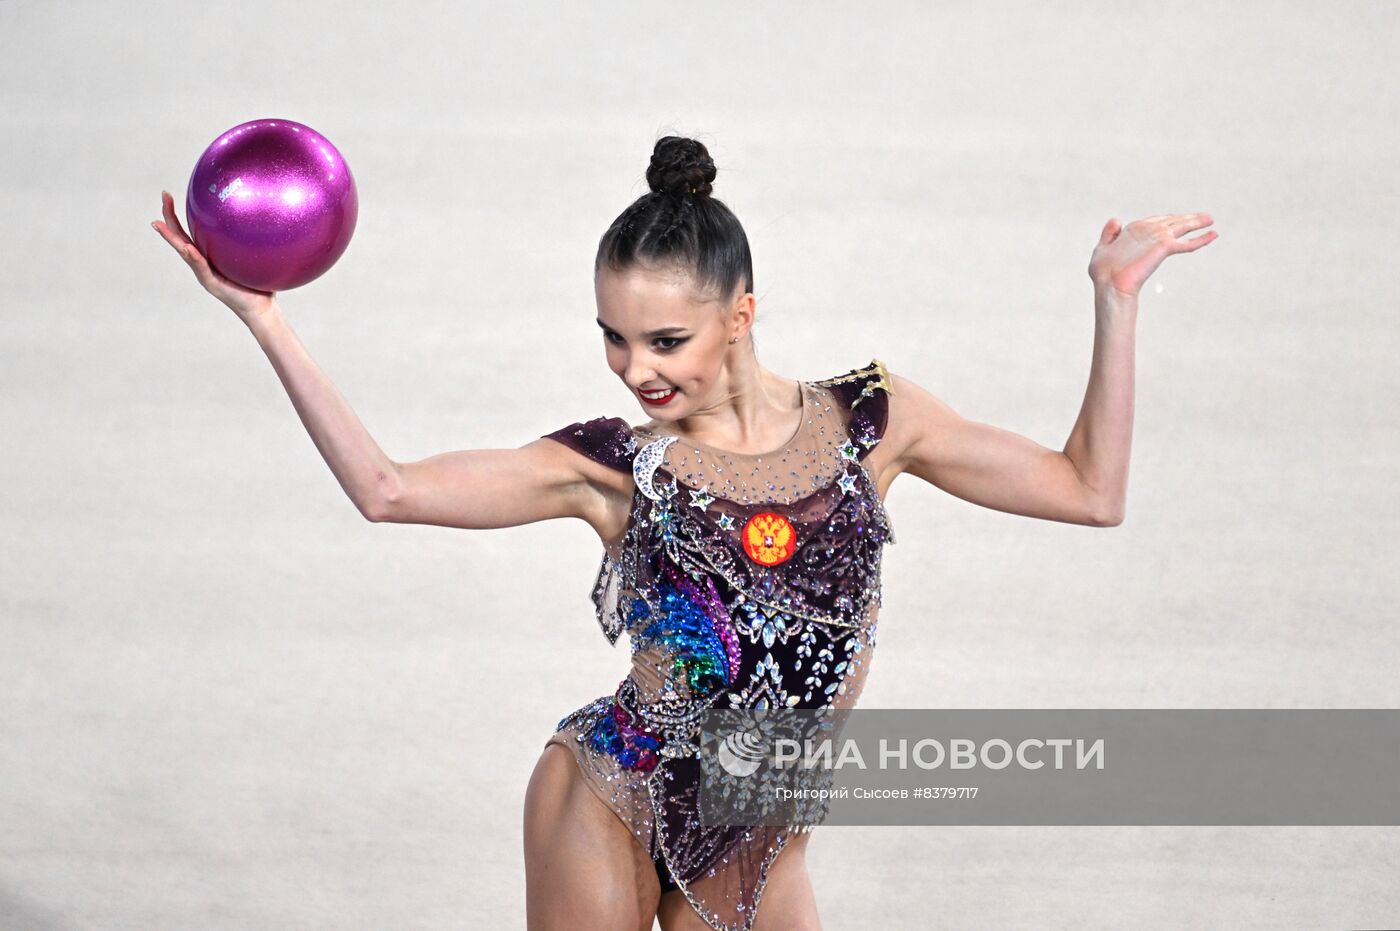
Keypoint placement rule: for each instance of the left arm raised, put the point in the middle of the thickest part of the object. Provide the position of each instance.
(1086, 483)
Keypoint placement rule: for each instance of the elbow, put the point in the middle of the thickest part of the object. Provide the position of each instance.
(378, 509)
(382, 504)
(1100, 509)
(1106, 514)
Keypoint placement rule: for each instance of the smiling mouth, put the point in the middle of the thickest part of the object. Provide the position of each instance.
(657, 397)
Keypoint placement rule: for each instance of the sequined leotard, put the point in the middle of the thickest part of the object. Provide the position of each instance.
(743, 581)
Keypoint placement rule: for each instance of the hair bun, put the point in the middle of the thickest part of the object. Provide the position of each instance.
(681, 166)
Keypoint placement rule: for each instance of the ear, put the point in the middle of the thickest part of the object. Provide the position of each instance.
(741, 312)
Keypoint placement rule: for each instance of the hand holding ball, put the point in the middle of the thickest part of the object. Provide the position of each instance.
(271, 205)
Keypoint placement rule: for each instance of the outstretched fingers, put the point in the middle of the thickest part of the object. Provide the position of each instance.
(1183, 220)
(1191, 245)
(1185, 223)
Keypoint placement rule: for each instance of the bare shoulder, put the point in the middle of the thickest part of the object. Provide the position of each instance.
(914, 411)
(915, 418)
(908, 403)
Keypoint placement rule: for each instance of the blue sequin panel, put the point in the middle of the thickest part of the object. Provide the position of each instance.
(685, 629)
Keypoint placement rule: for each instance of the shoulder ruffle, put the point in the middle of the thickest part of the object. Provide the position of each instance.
(608, 440)
(865, 393)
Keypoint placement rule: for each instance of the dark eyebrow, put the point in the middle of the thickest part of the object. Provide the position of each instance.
(664, 331)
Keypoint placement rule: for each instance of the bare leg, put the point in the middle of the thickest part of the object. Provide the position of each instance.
(584, 871)
(788, 902)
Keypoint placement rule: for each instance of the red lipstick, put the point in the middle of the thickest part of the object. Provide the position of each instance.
(658, 402)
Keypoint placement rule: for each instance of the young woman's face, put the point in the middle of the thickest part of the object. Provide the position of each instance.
(660, 341)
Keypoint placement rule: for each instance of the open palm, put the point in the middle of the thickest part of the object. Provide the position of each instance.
(1126, 256)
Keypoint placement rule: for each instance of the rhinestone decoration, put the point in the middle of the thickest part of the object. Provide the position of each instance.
(645, 465)
(848, 483)
(700, 498)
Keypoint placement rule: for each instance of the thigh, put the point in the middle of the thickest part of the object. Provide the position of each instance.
(583, 868)
(788, 902)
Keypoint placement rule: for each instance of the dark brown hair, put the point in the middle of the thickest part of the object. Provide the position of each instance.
(680, 225)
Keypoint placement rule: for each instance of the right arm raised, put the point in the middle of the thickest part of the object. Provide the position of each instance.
(472, 489)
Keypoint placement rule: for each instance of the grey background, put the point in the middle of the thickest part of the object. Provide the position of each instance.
(227, 701)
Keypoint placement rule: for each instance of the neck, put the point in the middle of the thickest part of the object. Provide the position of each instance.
(750, 406)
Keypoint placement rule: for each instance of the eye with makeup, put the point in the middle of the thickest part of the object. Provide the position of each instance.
(665, 343)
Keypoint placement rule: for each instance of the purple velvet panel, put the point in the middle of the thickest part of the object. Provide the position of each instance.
(603, 439)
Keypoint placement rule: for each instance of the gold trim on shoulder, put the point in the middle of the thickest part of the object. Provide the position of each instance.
(875, 375)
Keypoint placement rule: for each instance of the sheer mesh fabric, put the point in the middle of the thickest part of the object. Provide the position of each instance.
(743, 581)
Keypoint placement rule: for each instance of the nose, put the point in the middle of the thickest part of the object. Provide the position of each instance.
(638, 373)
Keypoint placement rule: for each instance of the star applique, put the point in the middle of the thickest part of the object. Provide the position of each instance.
(848, 483)
(629, 445)
(701, 497)
(669, 491)
(849, 451)
(726, 522)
